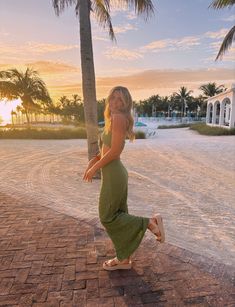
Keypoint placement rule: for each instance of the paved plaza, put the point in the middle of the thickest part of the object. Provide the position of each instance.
(52, 243)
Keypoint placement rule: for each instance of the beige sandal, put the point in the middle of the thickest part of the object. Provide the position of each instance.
(159, 228)
(117, 266)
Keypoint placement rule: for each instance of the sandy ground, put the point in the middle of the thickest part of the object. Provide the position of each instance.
(188, 178)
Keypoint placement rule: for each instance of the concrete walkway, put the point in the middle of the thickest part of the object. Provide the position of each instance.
(51, 259)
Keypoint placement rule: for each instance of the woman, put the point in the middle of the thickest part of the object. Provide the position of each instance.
(126, 231)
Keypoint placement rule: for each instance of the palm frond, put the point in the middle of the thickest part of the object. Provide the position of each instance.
(220, 4)
(26, 85)
(141, 7)
(8, 90)
(211, 89)
(61, 5)
(226, 44)
(101, 9)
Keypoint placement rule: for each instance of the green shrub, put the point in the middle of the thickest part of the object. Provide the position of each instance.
(203, 128)
(173, 126)
(47, 133)
(62, 133)
(140, 135)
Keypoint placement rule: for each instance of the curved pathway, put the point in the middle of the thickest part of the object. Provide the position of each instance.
(188, 178)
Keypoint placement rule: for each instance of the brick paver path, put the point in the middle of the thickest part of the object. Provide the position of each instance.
(50, 259)
(187, 177)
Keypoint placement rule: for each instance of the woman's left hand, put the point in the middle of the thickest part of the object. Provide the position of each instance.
(89, 174)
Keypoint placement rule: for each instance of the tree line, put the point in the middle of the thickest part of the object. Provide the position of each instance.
(32, 91)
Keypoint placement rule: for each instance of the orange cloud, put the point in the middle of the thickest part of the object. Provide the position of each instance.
(49, 67)
(10, 52)
(44, 67)
(144, 84)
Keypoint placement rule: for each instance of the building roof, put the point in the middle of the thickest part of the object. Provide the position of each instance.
(232, 89)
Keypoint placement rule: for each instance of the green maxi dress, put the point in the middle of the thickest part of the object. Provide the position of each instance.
(125, 230)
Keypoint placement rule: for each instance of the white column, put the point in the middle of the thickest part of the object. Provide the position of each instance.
(208, 112)
(232, 114)
(221, 115)
(214, 113)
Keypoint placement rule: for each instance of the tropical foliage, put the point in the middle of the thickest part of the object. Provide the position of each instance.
(230, 36)
(211, 89)
(27, 86)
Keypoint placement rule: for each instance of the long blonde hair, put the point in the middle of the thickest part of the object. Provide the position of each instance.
(127, 108)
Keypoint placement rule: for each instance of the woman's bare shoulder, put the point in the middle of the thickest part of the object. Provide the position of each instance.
(119, 119)
(118, 116)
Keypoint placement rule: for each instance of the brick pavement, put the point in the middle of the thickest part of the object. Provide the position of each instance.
(50, 259)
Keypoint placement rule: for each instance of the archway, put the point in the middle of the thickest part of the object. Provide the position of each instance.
(217, 112)
(226, 112)
(210, 112)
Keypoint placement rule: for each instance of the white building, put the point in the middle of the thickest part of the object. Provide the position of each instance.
(221, 109)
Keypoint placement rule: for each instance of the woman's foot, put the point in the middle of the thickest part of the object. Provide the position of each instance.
(115, 264)
(156, 227)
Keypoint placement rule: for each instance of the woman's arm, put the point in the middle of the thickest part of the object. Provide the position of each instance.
(118, 136)
(92, 162)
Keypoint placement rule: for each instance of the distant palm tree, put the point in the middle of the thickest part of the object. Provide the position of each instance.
(27, 86)
(101, 10)
(211, 89)
(182, 96)
(230, 36)
(13, 113)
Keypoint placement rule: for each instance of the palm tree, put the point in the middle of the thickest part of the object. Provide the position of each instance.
(101, 10)
(27, 86)
(12, 117)
(230, 36)
(211, 89)
(181, 97)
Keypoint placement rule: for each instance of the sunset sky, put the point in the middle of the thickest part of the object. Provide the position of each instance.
(175, 47)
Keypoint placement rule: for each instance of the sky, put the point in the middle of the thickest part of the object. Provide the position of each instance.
(175, 47)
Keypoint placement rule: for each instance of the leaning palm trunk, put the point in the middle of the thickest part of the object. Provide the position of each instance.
(230, 36)
(88, 79)
(227, 42)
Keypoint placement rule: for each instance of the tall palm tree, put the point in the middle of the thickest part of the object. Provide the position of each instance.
(101, 10)
(230, 36)
(13, 113)
(181, 97)
(27, 86)
(211, 89)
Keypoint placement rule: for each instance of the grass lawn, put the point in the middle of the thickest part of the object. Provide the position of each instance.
(203, 128)
(47, 133)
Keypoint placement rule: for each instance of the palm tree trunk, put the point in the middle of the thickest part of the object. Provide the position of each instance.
(88, 78)
(27, 116)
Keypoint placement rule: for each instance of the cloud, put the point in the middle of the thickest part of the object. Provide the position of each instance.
(217, 34)
(230, 18)
(49, 67)
(122, 54)
(116, 8)
(100, 38)
(44, 67)
(124, 28)
(47, 48)
(183, 43)
(146, 83)
(229, 56)
(11, 50)
(4, 33)
(131, 15)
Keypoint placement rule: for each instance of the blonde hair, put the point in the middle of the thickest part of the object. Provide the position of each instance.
(126, 110)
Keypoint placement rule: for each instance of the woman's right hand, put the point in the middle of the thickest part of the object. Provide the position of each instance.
(90, 164)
